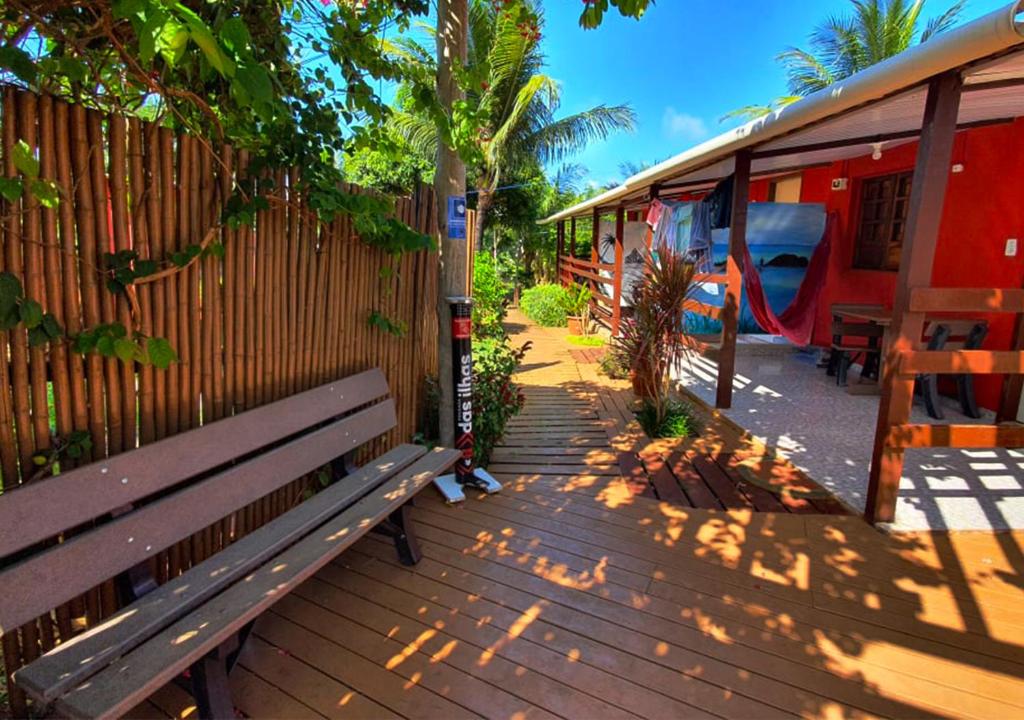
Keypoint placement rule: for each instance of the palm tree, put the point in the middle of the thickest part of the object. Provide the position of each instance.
(519, 103)
(845, 45)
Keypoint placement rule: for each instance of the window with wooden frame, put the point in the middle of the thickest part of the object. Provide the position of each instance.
(883, 218)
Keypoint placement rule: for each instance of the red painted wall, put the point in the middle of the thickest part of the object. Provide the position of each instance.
(984, 207)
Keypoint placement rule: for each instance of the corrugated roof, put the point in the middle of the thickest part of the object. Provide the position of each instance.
(886, 98)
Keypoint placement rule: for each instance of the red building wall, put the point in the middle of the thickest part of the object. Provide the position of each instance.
(984, 207)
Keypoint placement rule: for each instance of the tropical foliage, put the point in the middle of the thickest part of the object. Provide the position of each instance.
(490, 296)
(496, 398)
(846, 44)
(545, 304)
(508, 126)
(654, 338)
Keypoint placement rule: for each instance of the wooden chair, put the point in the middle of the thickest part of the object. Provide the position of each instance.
(65, 535)
(951, 335)
(850, 339)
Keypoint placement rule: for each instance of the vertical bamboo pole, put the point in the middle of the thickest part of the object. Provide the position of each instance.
(101, 217)
(155, 293)
(294, 215)
(85, 217)
(118, 143)
(139, 232)
(181, 242)
(194, 236)
(207, 284)
(168, 287)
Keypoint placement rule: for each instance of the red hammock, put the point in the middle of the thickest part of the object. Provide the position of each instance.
(796, 322)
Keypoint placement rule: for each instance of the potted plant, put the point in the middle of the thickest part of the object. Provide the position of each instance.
(654, 339)
(577, 309)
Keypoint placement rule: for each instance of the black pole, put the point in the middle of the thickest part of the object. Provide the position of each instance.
(462, 381)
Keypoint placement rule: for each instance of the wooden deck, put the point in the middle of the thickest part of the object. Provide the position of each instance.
(575, 593)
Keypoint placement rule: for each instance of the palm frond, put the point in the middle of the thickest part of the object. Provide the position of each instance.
(418, 131)
(943, 22)
(807, 73)
(569, 135)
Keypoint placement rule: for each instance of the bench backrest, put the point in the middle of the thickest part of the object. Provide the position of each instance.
(177, 486)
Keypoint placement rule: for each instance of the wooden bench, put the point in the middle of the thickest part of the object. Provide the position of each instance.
(134, 505)
(945, 334)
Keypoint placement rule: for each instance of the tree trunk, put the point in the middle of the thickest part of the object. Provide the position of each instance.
(449, 179)
(483, 206)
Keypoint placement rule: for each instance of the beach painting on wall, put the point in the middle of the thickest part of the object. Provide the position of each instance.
(782, 237)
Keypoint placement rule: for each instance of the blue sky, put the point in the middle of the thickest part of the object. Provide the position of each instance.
(682, 67)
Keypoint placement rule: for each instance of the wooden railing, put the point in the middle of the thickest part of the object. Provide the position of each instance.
(895, 435)
(576, 270)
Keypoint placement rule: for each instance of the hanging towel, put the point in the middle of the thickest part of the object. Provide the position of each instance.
(796, 322)
(654, 213)
(699, 252)
(719, 203)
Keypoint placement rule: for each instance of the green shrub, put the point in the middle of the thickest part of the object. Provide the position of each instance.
(495, 397)
(677, 420)
(545, 304)
(615, 364)
(490, 293)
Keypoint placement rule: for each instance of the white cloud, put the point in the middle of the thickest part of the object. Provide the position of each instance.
(681, 125)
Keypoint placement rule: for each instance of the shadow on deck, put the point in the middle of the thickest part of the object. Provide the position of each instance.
(573, 594)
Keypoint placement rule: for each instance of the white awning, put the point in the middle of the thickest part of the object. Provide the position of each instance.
(884, 103)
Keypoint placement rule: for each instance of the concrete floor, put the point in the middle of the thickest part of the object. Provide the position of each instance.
(781, 397)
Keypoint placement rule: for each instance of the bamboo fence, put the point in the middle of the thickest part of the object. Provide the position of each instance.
(285, 309)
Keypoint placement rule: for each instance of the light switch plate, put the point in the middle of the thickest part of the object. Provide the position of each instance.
(1011, 247)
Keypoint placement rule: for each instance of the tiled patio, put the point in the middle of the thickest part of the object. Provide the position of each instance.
(782, 398)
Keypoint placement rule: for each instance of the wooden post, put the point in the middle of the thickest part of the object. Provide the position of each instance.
(734, 273)
(572, 237)
(924, 215)
(449, 179)
(595, 236)
(1013, 385)
(559, 250)
(620, 222)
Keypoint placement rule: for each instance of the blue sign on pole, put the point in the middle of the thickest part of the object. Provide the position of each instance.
(456, 217)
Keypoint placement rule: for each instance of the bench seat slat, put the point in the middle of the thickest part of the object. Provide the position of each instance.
(62, 572)
(38, 511)
(124, 684)
(74, 661)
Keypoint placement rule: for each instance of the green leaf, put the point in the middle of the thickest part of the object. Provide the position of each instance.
(31, 313)
(19, 63)
(127, 8)
(256, 82)
(85, 342)
(40, 459)
(171, 40)
(45, 191)
(51, 326)
(235, 35)
(105, 346)
(125, 349)
(11, 188)
(25, 160)
(37, 337)
(204, 38)
(160, 352)
(11, 293)
(74, 451)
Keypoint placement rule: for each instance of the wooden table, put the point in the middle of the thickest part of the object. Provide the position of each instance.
(876, 315)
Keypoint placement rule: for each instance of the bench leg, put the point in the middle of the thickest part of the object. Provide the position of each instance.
(210, 686)
(930, 392)
(398, 527)
(965, 389)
